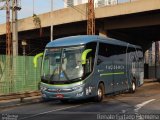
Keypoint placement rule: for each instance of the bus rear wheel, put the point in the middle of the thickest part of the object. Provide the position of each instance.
(100, 93)
(133, 87)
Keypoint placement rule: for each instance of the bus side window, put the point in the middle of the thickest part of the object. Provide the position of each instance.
(109, 52)
(102, 53)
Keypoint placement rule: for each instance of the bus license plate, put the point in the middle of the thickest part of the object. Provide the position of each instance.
(59, 96)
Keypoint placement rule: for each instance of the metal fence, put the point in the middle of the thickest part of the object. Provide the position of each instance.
(152, 73)
(20, 77)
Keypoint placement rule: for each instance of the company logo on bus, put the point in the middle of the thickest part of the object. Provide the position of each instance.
(115, 67)
(58, 90)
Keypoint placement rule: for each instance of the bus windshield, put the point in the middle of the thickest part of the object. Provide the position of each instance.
(62, 64)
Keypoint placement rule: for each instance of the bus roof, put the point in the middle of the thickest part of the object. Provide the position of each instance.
(84, 39)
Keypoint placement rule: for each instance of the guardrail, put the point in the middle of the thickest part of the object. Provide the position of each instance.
(20, 96)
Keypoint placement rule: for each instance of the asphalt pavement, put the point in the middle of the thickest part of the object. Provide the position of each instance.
(143, 104)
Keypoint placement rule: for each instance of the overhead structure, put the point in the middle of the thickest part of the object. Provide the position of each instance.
(3, 7)
(90, 18)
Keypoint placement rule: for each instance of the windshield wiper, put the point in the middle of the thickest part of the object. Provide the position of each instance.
(76, 79)
(65, 74)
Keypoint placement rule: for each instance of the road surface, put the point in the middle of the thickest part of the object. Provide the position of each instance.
(143, 104)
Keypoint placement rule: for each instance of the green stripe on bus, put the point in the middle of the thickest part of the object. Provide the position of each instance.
(79, 82)
(116, 73)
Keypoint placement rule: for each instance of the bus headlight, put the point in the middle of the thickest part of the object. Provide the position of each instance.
(51, 90)
(43, 88)
(77, 88)
(44, 95)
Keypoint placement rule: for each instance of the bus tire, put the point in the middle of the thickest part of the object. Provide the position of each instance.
(133, 87)
(45, 99)
(100, 93)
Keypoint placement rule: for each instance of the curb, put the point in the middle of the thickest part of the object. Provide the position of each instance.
(17, 102)
(150, 80)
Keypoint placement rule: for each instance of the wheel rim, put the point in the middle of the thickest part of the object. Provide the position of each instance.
(133, 86)
(99, 93)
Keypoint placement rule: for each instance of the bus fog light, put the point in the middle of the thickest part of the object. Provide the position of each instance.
(79, 94)
(42, 88)
(88, 90)
(44, 95)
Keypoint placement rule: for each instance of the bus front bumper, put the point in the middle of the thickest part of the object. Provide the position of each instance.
(59, 93)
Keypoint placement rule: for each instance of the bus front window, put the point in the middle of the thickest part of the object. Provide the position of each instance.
(62, 64)
(51, 63)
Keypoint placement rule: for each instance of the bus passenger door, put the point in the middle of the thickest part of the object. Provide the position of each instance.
(104, 67)
(119, 76)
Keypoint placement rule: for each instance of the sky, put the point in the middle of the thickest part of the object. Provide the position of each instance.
(40, 6)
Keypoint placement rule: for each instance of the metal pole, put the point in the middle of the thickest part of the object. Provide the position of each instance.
(8, 29)
(33, 7)
(14, 28)
(24, 51)
(91, 18)
(51, 36)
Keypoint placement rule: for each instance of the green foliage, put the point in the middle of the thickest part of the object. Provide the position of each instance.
(37, 23)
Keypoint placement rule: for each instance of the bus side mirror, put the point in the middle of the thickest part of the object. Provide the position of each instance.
(35, 59)
(84, 56)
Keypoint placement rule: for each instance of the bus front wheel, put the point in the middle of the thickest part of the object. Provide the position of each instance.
(100, 93)
(64, 101)
(45, 99)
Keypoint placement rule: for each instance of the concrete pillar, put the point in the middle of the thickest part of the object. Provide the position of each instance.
(14, 28)
(150, 56)
(156, 57)
(146, 57)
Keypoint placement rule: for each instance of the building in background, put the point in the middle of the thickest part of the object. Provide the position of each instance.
(98, 3)
(69, 3)
(101, 3)
(150, 55)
